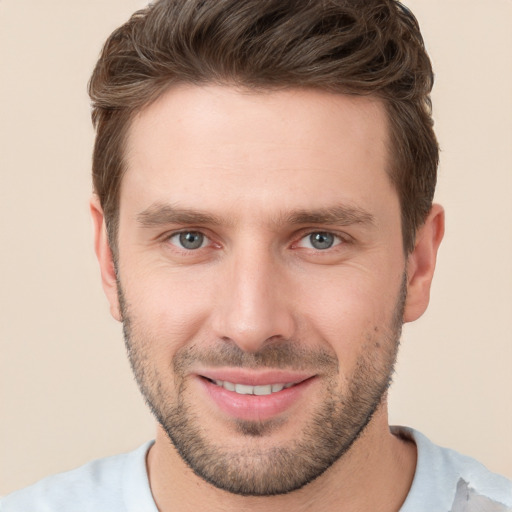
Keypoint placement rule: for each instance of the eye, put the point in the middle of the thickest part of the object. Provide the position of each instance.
(189, 240)
(320, 240)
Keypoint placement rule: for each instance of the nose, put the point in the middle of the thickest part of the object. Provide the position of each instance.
(254, 305)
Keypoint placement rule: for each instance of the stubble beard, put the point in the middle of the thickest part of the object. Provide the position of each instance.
(336, 423)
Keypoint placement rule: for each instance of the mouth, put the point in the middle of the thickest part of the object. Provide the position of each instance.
(256, 396)
(246, 389)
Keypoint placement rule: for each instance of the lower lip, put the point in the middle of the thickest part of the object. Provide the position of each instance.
(254, 407)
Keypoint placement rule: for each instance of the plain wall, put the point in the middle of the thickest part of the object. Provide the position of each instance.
(66, 390)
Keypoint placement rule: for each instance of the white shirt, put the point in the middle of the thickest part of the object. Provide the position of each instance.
(444, 481)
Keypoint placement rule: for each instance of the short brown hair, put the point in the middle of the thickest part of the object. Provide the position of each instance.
(365, 47)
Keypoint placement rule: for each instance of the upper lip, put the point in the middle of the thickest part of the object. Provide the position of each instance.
(254, 377)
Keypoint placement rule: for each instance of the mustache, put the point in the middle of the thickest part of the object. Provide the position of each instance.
(284, 354)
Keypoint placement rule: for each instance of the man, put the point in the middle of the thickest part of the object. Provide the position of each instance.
(264, 174)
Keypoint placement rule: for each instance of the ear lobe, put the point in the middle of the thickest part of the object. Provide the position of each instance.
(105, 257)
(421, 264)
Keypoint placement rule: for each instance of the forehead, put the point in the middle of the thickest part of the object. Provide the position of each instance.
(220, 143)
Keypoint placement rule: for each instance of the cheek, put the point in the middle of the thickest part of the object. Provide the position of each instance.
(170, 309)
(351, 314)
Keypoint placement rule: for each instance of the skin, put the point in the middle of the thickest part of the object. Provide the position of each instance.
(248, 162)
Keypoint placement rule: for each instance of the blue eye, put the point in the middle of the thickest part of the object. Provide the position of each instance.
(320, 240)
(189, 240)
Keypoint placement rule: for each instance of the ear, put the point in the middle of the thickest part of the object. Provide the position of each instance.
(421, 264)
(105, 258)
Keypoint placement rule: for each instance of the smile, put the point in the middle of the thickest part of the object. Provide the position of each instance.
(244, 389)
(254, 396)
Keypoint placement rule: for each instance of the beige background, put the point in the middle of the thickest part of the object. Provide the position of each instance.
(66, 392)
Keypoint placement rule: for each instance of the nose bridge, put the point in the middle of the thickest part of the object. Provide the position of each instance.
(254, 306)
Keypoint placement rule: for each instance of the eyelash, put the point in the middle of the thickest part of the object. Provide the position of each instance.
(336, 240)
(169, 238)
(339, 239)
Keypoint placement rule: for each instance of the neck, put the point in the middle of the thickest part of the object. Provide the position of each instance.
(375, 474)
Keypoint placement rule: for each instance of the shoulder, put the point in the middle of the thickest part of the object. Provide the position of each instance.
(103, 484)
(447, 480)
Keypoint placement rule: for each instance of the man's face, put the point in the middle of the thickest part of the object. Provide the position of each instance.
(261, 277)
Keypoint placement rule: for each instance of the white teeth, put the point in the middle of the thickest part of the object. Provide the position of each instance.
(229, 386)
(244, 389)
(263, 390)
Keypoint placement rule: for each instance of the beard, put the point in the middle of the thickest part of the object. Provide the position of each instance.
(252, 469)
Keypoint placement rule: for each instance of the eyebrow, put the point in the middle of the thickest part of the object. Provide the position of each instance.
(336, 215)
(160, 214)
